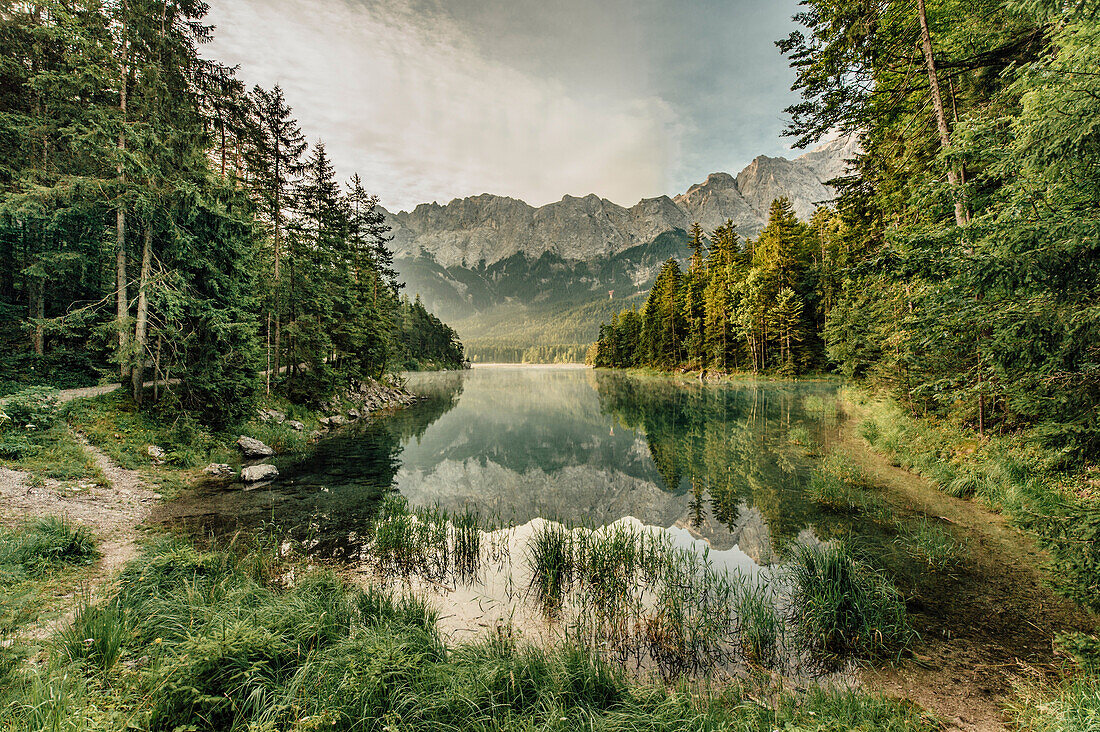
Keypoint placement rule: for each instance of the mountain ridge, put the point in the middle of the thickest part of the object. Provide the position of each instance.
(487, 228)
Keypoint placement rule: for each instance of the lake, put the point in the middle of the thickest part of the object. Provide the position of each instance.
(723, 462)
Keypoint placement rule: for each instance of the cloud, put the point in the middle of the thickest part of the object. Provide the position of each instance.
(423, 112)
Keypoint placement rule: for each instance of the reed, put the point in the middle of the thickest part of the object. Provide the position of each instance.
(932, 546)
(841, 607)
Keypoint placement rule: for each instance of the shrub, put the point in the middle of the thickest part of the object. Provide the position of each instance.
(35, 407)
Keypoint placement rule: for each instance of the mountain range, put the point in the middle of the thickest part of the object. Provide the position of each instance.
(505, 272)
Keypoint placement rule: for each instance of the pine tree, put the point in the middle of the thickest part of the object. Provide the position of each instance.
(274, 159)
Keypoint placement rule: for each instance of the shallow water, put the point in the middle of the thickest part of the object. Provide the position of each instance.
(723, 462)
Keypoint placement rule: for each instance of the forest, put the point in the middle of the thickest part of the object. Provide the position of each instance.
(161, 221)
(958, 266)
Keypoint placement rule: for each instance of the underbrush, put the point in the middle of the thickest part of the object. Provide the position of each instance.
(210, 640)
(112, 423)
(32, 557)
(1011, 473)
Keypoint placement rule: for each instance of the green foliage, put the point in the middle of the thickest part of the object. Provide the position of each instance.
(842, 607)
(47, 544)
(35, 408)
(968, 277)
(226, 254)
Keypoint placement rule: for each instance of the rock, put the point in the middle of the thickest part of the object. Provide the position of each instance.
(316, 435)
(278, 417)
(257, 473)
(334, 421)
(353, 414)
(295, 425)
(493, 228)
(220, 470)
(253, 448)
(157, 453)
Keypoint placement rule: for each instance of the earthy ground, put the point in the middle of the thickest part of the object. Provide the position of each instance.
(114, 513)
(985, 630)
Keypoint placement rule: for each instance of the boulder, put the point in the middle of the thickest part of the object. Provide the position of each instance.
(353, 414)
(157, 453)
(295, 425)
(253, 448)
(257, 473)
(334, 421)
(220, 470)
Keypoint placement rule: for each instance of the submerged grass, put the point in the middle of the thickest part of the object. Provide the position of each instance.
(1011, 473)
(932, 546)
(252, 641)
(840, 485)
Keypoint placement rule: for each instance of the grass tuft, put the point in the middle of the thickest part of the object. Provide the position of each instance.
(841, 607)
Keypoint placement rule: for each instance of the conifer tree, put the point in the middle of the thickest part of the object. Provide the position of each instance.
(274, 159)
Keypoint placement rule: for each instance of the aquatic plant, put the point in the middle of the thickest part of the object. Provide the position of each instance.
(932, 545)
(551, 559)
(841, 607)
(425, 542)
(759, 624)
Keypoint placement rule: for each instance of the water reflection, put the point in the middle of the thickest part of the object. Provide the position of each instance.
(582, 446)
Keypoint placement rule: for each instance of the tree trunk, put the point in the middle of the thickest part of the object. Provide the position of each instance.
(138, 373)
(122, 301)
(36, 307)
(961, 214)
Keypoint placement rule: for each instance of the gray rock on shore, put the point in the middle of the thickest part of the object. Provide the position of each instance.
(219, 470)
(252, 448)
(258, 473)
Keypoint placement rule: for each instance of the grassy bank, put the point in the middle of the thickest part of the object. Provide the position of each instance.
(1014, 475)
(251, 639)
(37, 562)
(1011, 474)
(49, 448)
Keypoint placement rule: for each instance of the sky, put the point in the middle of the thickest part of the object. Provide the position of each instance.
(431, 100)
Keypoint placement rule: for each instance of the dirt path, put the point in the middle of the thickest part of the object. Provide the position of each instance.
(114, 514)
(985, 630)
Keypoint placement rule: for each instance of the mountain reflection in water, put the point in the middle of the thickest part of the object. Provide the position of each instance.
(582, 446)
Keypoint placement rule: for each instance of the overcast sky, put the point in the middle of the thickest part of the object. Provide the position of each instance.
(431, 100)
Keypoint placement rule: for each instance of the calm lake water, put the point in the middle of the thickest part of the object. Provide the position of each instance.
(724, 462)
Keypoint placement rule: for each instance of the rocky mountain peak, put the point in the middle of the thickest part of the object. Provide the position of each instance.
(490, 228)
